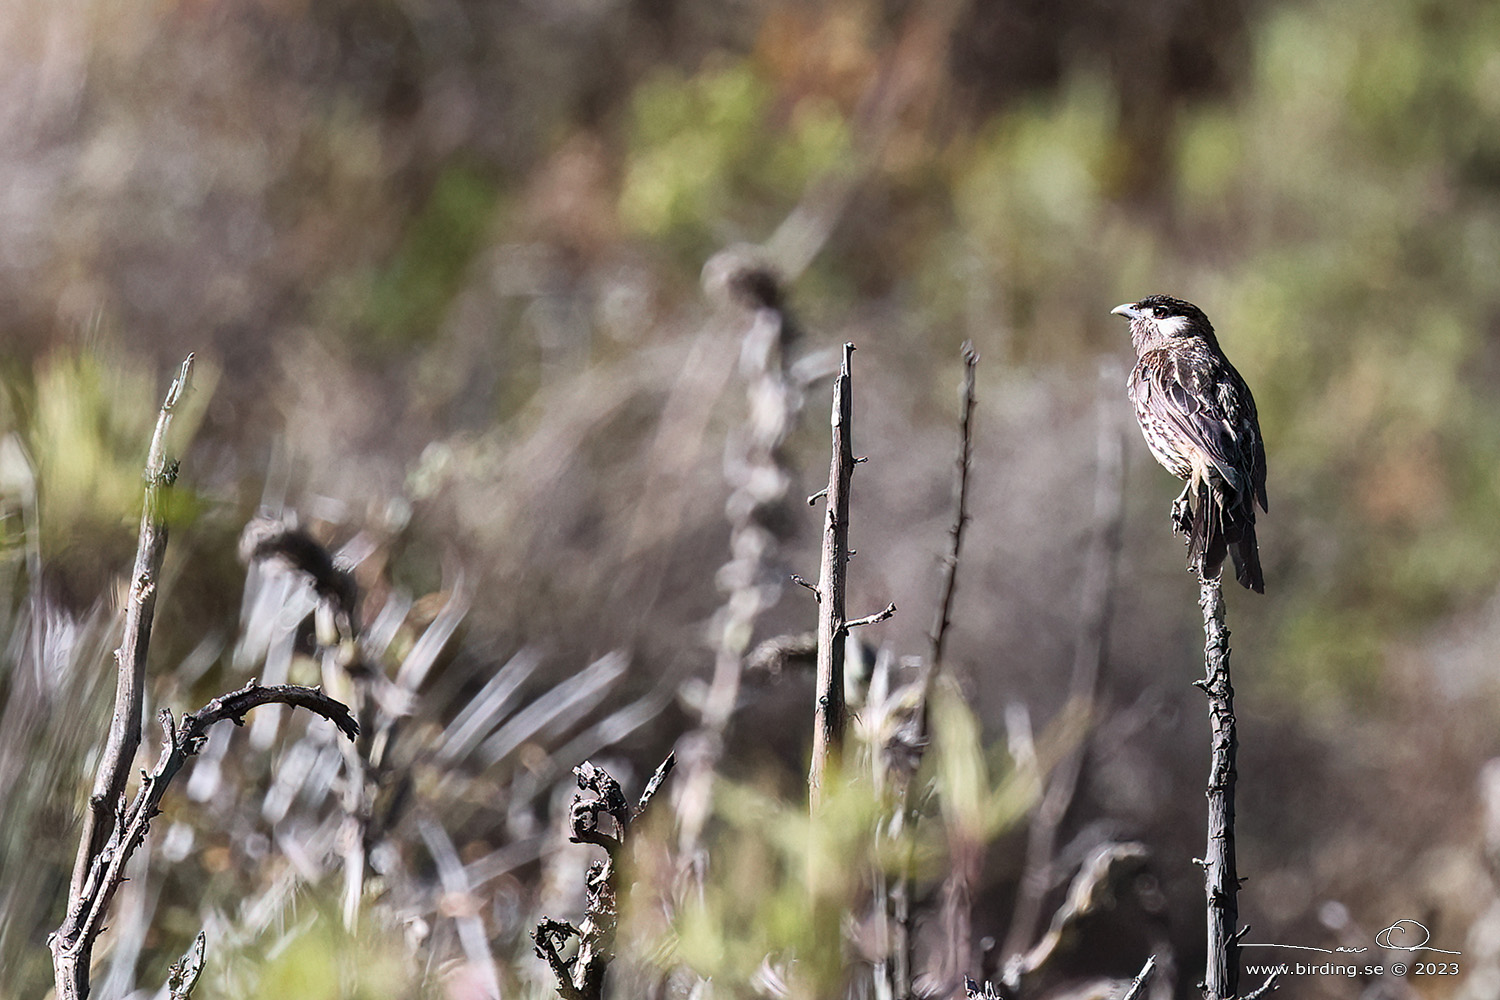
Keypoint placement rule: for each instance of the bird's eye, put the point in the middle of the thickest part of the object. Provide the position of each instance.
(1160, 312)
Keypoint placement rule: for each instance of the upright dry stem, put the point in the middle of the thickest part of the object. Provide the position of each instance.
(124, 739)
(130, 659)
(1221, 880)
(115, 826)
(939, 635)
(828, 711)
(1142, 980)
(901, 894)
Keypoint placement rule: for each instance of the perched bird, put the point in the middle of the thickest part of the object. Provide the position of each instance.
(1198, 418)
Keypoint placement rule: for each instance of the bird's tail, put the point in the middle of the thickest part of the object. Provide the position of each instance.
(1246, 556)
(1207, 547)
(1219, 530)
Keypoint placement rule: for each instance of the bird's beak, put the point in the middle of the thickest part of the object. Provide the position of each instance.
(1128, 310)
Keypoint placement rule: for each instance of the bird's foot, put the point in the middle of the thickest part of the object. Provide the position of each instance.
(1182, 515)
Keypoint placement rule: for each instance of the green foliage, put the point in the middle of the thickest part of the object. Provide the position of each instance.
(1365, 287)
(975, 808)
(1035, 198)
(315, 958)
(775, 868)
(1040, 174)
(783, 884)
(87, 430)
(715, 151)
(1210, 153)
(409, 297)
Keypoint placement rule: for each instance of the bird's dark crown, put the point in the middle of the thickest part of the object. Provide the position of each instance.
(1165, 306)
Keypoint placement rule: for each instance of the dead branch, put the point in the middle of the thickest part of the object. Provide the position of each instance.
(828, 710)
(113, 830)
(1138, 988)
(875, 619)
(130, 659)
(182, 975)
(582, 976)
(901, 892)
(1220, 877)
(72, 944)
(949, 586)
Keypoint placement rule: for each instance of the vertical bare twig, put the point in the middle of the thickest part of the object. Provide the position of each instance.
(1038, 875)
(901, 894)
(1221, 879)
(961, 514)
(124, 738)
(828, 710)
(130, 659)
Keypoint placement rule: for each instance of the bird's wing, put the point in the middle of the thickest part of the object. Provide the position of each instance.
(1244, 433)
(1183, 398)
(1258, 469)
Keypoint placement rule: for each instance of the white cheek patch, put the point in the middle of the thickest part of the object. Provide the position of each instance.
(1172, 326)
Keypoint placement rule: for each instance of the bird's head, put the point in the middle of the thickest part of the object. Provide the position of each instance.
(1157, 320)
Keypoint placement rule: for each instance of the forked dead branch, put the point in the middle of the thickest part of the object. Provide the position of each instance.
(116, 825)
(130, 658)
(581, 977)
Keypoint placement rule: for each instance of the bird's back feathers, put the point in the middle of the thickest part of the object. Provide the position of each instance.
(1199, 420)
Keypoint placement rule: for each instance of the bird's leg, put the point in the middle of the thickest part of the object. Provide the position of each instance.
(1182, 511)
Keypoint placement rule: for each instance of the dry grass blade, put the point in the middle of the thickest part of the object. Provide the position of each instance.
(483, 713)
(425, 653)
(460, 903)
(562, 704)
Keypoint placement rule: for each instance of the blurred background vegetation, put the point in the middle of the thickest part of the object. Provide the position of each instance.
(440, 263)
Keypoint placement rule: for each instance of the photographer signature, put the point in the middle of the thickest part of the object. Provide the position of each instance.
(1403, 935)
